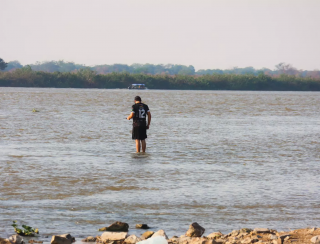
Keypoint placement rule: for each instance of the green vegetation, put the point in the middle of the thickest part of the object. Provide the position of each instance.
(87, 78)
(26, 231)
(160, 69)
(3, 64)
(67, 74)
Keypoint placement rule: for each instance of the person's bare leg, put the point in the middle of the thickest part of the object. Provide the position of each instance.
(138, 145)
(144, 145)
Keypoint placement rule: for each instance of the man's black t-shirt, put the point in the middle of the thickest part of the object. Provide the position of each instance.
(140, 111)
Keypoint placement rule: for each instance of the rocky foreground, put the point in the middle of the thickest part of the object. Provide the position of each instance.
(117, 233)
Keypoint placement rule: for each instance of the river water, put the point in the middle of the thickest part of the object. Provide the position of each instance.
(224, 159)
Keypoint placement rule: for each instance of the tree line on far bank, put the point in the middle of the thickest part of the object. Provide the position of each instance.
(88, 78)
(163, 69)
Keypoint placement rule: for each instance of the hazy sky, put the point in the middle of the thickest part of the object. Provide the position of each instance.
(203, 33)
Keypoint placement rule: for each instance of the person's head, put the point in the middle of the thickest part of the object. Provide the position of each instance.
(137, 99)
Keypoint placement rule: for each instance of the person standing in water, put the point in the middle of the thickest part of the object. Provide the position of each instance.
(139, 131)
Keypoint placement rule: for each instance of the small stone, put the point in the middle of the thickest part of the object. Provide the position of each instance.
(160, 233)
(315, 239)
(133, 239)
(68, 236)
(245, 230)
(146, 235)
(235, 233)
(174, 240)
(219, 241)
(60, 240)
(16, 239)
(231, 242)
(249, 241)
(311, 230)
(274, 242)
(142, 226)
(90, 239)
(197, 240)
(98, 240)
(195, 230)
(116, 226)
(246, 241)
(4, 241)
(273, 237)
(282, 237)
(215, 235)
(259, 236)
(113, 236)
(261, 230)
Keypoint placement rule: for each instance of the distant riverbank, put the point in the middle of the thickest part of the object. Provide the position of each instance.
(86, 78)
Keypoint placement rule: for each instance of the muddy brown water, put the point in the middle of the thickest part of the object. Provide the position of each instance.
(225, 159)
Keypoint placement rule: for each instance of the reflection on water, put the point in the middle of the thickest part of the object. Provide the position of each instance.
(225, 159)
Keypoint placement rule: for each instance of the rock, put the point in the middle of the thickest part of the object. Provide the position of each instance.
(219, 241)
(273, 237)
(249, 241)
(195, 230)
(89, 239)
(116, 226)
(155, 240)
(142, 226)
(34, 241)
(133, 239)
(235, 232)
(60, 240)
(16, 239)
(274, 242)
(4, 241)
(68, 236)
(282, 237)
(246, 230)
(312, 230)
(233, 238)
(215, 235)
(315, 239)
(146, 235)
(98, 240)
(243, 234)
(231, 242)
(160, 233)
(113, 236)
(262, 230)
(196, 240)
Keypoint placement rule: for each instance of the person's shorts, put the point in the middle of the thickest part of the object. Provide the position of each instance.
(139, 132)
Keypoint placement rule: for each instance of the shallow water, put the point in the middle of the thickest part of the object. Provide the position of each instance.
(225, 159)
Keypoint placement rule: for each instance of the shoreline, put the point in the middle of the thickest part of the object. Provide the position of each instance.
(195, 235)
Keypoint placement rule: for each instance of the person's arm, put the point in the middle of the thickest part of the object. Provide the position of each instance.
(130, 116)
(132, 113)
(149, 119)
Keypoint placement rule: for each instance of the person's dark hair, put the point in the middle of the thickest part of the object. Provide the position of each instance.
(137, 98)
